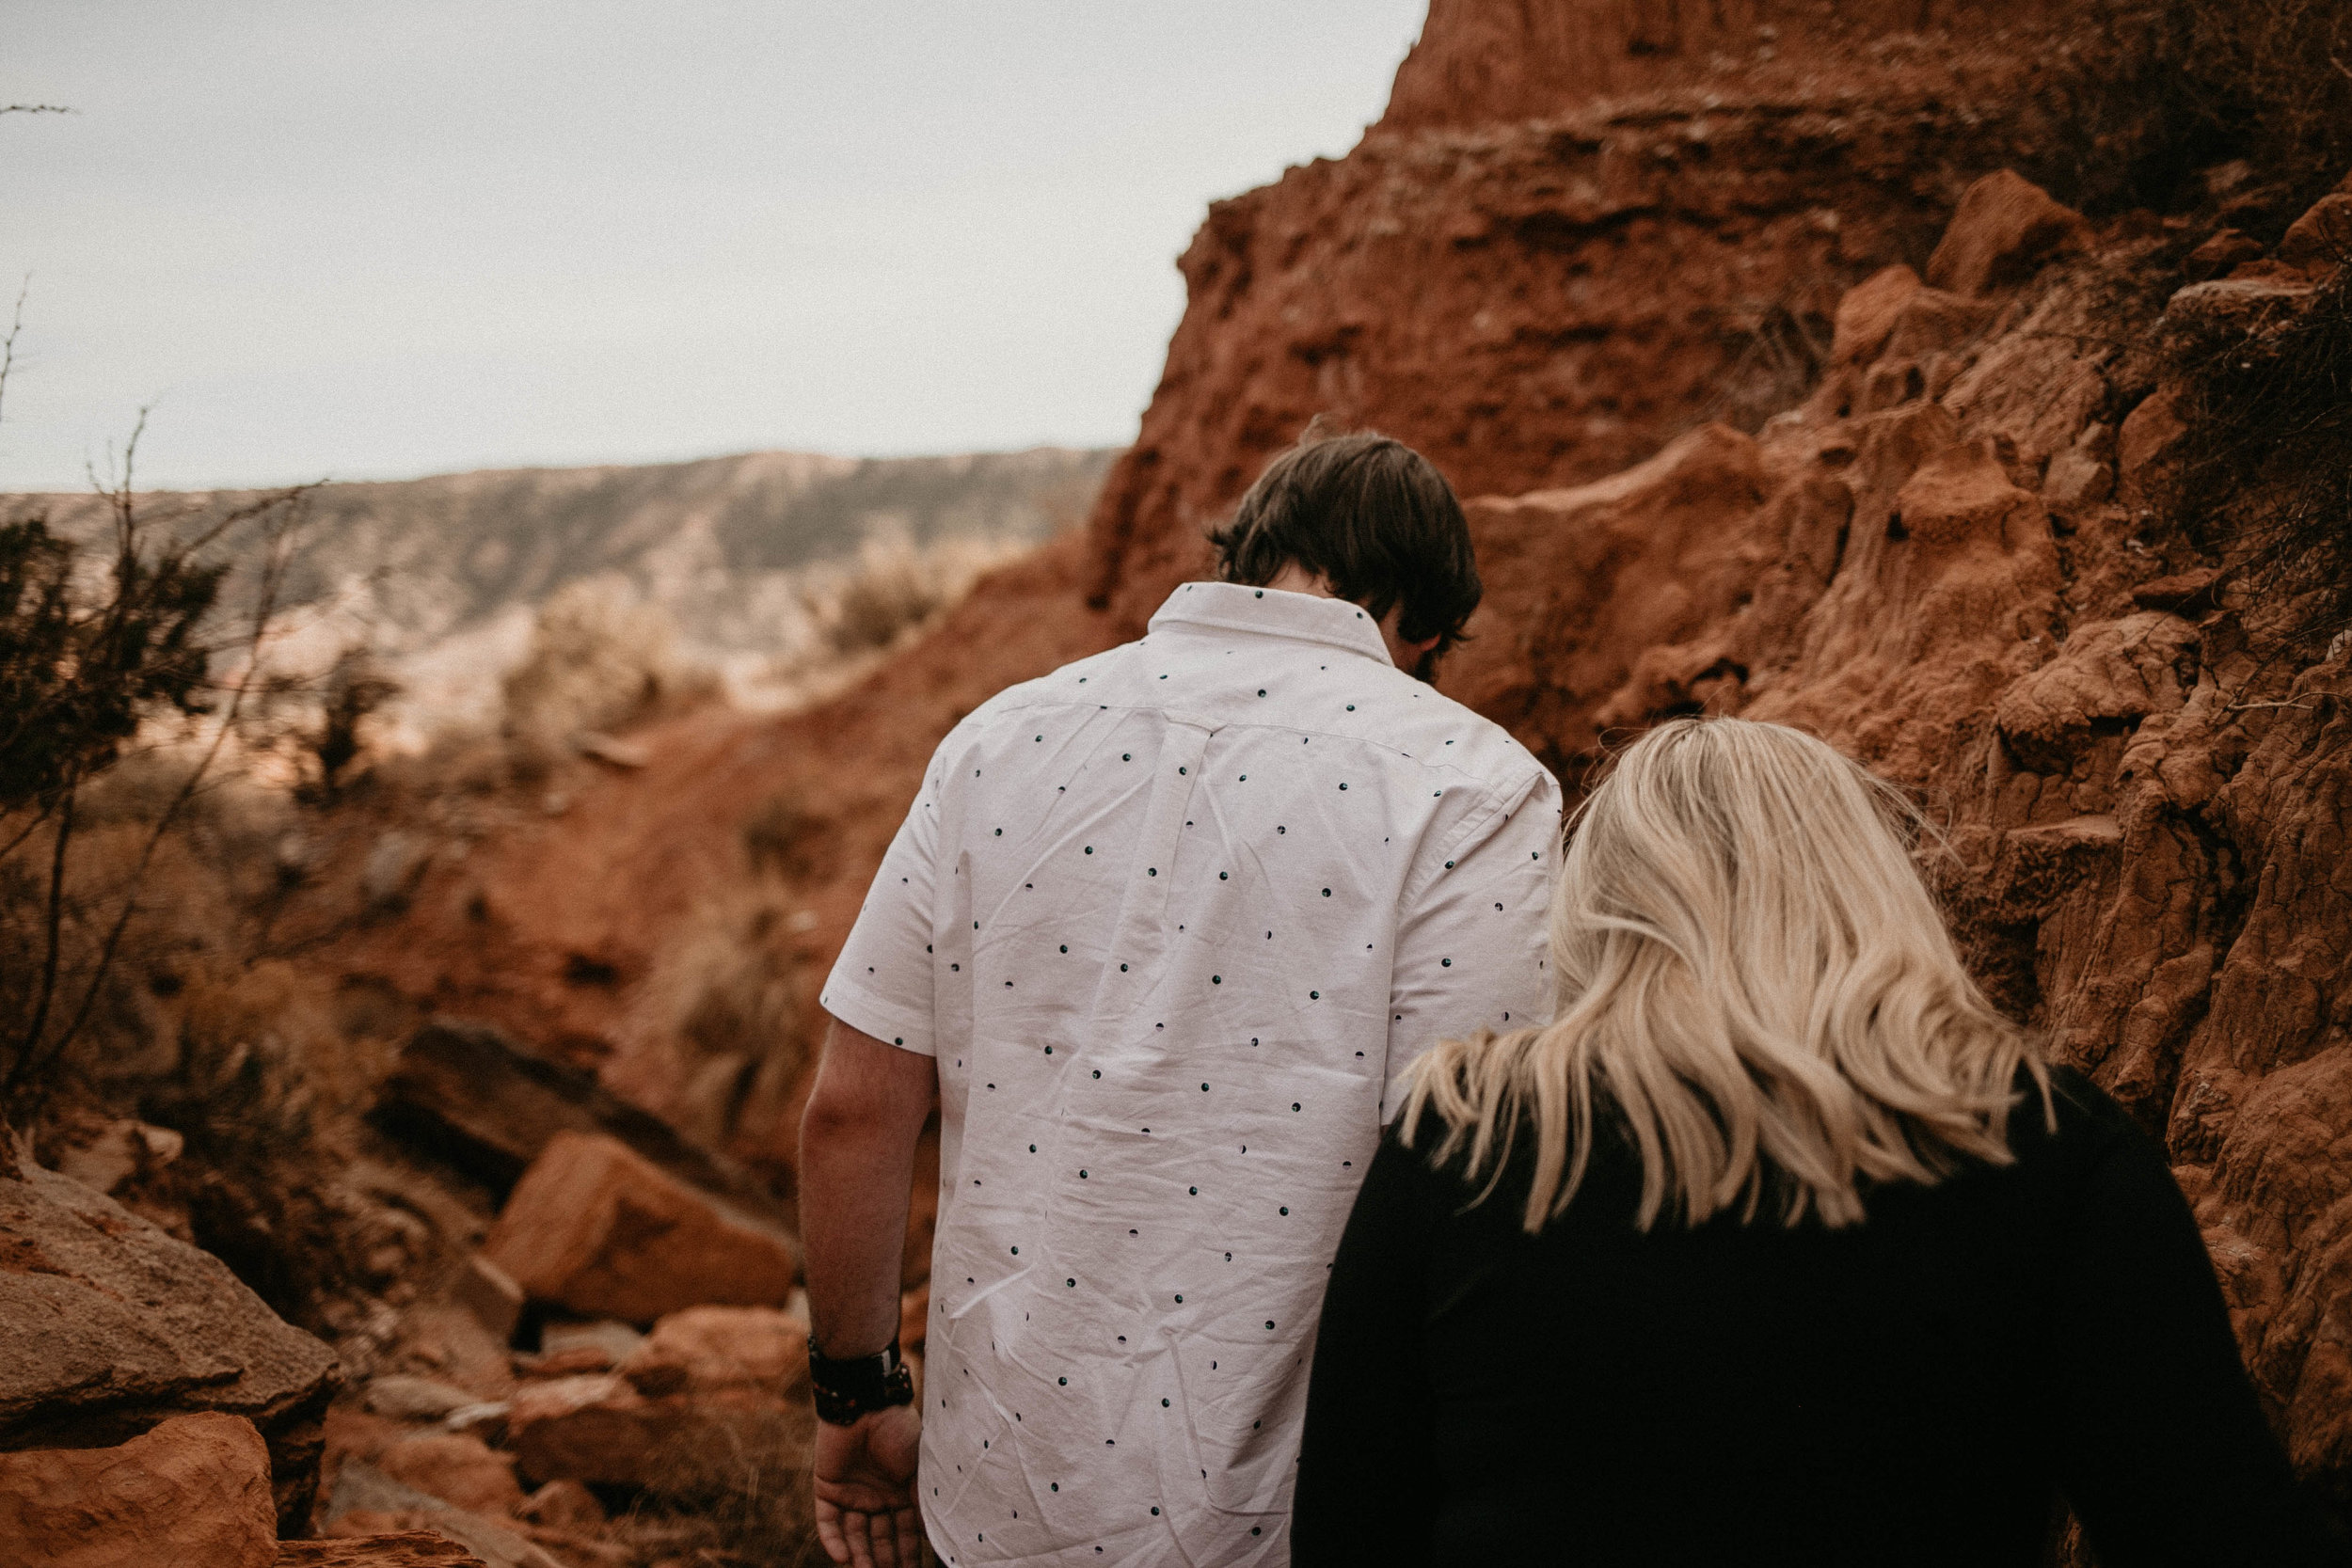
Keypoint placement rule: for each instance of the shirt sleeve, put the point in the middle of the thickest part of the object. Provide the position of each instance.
(1473, 947)
(2164, 1453)
(882, 984)
(1368, 1487)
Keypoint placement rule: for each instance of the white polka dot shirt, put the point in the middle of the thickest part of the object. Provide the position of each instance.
(1173, 920)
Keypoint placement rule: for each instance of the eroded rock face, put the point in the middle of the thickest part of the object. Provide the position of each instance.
(2143, 782)
(595, 1227)
(107, 1324)
(194, 1490)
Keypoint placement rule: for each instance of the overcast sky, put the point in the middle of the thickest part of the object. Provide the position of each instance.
(380, 240)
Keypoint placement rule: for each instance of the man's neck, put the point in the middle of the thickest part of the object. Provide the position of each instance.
(1294, 578)
(1412, 658)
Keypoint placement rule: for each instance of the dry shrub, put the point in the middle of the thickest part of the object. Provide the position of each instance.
(735, 1493)
(600, 658)
(356, 688)
(894, 587)
(137, 914)
(257, 1062)
(2274, 76)
(784, 837)
(2262, 474)
(2154, 90)
(726, 997)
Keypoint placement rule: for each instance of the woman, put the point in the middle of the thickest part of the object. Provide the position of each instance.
(1779, 1245)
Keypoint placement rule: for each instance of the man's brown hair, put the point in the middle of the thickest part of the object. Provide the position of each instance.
(1370, 515)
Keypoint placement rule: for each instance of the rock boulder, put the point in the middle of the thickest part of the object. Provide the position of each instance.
(460, 1469)
(107, 1324)
(194, 1491)
(706, 1348)
(595, 1227)
(469, 1092)
(2005, 226)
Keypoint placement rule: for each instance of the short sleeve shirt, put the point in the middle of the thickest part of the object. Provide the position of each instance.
(1174, 921)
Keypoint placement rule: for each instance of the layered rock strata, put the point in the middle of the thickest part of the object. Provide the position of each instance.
(108, 1325)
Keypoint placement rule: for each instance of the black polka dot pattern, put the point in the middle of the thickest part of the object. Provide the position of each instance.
(1172, 1049)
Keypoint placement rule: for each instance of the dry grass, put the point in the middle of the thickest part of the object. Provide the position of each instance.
(736, 1494)
(728, 997)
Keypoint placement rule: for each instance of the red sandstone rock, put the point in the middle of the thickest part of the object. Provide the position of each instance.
(1483, 62)
(108, 1325)
(460, 1470)
(2322, 237)
(597, 1429)
(2217, 255)
(595, 1227)
(490, 1293)
(494, 1543)
(2149, 432)
(2253, 296)
(2005, 226)
(706, 1348)
(570, 1362)
(195, 1491)
(472, 1093)
(564, 1505)
(1867, 314)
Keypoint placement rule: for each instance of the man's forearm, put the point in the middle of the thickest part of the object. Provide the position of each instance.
(857, 1169)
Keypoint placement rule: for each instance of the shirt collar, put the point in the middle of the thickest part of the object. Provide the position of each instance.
(1273, 613)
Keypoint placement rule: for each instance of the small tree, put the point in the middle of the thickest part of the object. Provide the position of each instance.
(355, 690)
(100, 640)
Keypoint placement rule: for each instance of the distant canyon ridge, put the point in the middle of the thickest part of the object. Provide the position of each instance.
(439, 579)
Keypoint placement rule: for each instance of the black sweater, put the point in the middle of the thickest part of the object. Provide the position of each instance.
(1917, 1390)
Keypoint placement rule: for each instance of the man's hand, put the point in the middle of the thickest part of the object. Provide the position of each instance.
(865, 1483)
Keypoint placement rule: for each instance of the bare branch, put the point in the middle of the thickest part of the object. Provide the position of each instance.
(7, 345)
(53, 947)
(37, 109)
(278, 558)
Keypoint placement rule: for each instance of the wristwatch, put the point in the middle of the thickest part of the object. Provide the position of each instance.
(857, 1385)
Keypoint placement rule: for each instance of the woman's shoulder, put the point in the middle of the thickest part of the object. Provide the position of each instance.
(1480, 1187)
(2082, 1109)
(2081, 1127)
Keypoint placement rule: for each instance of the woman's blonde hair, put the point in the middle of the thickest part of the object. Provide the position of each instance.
(1754, 982)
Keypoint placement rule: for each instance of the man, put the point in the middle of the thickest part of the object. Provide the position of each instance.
(1162, 931)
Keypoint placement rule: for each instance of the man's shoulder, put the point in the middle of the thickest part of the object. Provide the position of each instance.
(1423, 724)
(1450, 733)
(1394, 712)
(1080, 682)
